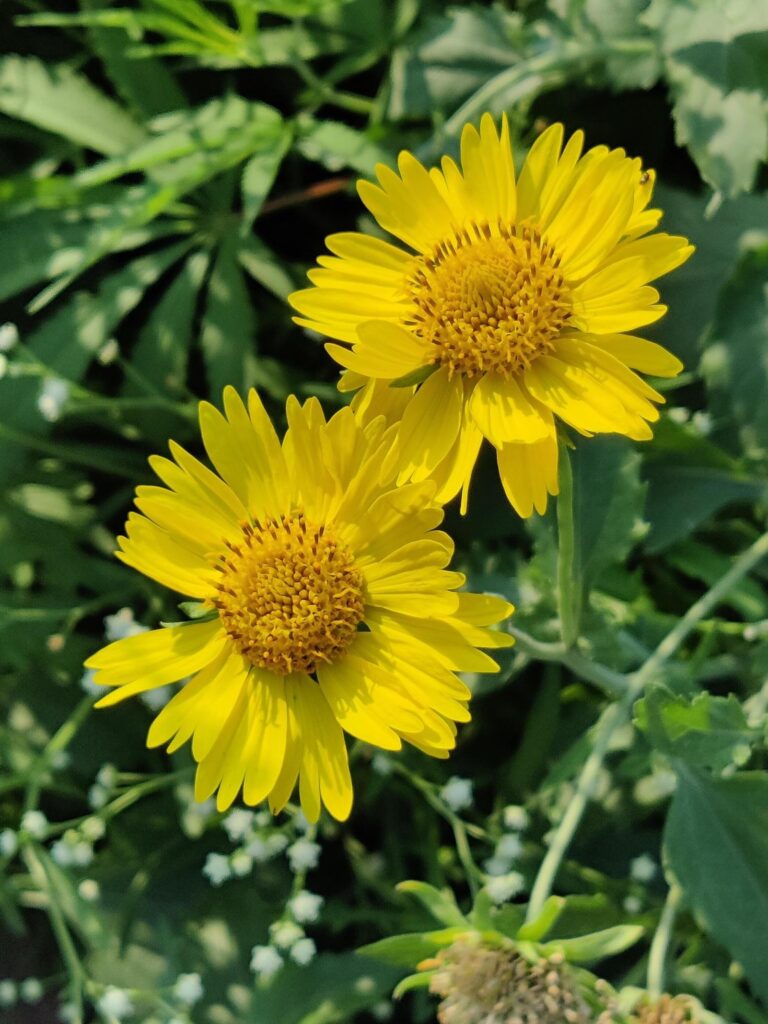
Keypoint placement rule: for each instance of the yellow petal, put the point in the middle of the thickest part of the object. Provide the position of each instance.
(529, 474)
(429, 426)
(640, 354)
(504, 413)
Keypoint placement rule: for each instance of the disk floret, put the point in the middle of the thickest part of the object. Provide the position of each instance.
(483, 985)
(290, 595)
(666, 1010)
(489, 303)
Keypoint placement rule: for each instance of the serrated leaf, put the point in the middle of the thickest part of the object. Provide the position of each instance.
(735, 362)
(60, 100)
(337, 146)
(706, 732)
(716, 843)
(440, 903)
(718, 75)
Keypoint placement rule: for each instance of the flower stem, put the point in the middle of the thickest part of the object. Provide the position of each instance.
(568, 574)
(619, 713)
(657, 958)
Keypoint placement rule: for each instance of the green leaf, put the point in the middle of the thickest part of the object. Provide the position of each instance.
(735, 362)
(535, 930)
(338, 146)
(259, 176)
(715, 63)
(716, 842)
(440, 903)
(701, 562)
(265, 267)
(706, 732)
(412, 982)
(59, 100)
(597, 945)
(228, 330)
(608, 504)
(410, 950)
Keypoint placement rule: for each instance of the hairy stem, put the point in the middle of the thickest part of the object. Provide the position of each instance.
(657, 958)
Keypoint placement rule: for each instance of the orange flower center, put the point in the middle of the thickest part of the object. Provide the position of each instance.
(290, 595)
(489, 303)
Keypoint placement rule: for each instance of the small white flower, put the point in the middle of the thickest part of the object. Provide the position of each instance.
(122, 624)
(382, 765)
(82, 854)
(98, 796)
(382, 1010)
(276, 843)
(504, 887)
(114, 1002)
(89, 890)
(496, 866)
(52, 398)
(642, 868)
(60, 760)
(237, 824)
(93, 829)
(303, 952)
(633, 905)
(87, 683)
(457, 793)
(241, 863)
(303, 855)
(156, 699)
(679, 414)
(188, 989)
(305, 906)
(9, 842)
(258, 850)
(31, 990)
(9, 336)
(8, 992)
(107, 776)
(35, 824)
(61, 851)
(515, 818)
(217, 869)
(265, 961)
(68, 1013)
(509, 847)
(285, 934)
(702, 423)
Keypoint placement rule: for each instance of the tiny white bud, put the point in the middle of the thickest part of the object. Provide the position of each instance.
(98, 796)
(285, 933)
(9, 336)
(52, 398)
(188, 989)
(35, 824)
(504, 887)
(122, 624)
(457, 793)
(509, 847)
(31, 990)
(642, 868)
(89, 890)
(9, 842)
(241, 863)
(303, 855)
(305, 906)
(237, 824)
(515, 818)
(107, 776)
(93, 829)
(9, 993)
(303, 952)
(265, 961)
(114, 1002)
(217, 869)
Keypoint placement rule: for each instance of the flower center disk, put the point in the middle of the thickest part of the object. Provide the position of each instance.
(489, 303)
(290, 595)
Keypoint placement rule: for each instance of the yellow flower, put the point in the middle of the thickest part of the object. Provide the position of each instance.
(329, 607)
(510, 307)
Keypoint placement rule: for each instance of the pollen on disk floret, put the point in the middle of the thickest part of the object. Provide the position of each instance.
(489, 302)
(289, 595)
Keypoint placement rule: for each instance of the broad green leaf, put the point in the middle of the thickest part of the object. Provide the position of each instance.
(636, 63)
(59, 100)
(608, 503)
(228, 329)
(337, 146)
(440, 903)
(410, 950)
(706, 732)
(597, 946)
(718, 76)
(702, 562)
(716, 842)
(735, 361)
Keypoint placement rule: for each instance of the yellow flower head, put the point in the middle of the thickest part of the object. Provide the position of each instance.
(328, 601)
(510, 306)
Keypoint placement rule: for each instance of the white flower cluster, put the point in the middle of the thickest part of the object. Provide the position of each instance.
(259, 841)
(75, 847)
(28, 991)
(104, 786)
(504, 882)
(457, 793)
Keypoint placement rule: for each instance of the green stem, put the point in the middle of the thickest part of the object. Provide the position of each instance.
(568, 574)
(613, 683)
(657, 958)
(618, 714)
(58, 742)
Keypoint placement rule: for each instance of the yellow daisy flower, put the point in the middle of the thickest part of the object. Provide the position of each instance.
(327, 602)
(510, 307)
